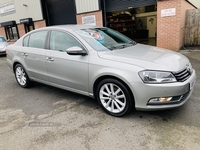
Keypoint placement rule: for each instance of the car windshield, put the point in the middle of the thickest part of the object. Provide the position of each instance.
(2, 39)
(104, 38)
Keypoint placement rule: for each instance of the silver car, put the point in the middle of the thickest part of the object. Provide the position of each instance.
(102, 63)
(3, 45)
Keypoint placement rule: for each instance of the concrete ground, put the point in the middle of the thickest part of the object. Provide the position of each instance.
(47, 118)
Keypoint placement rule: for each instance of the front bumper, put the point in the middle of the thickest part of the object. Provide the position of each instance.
(180, 91)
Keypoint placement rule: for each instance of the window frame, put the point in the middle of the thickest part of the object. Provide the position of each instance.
(23, 43)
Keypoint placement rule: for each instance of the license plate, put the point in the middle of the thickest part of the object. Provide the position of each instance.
(192, 83)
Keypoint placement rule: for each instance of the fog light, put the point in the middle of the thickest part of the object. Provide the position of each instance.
(159, 100)
(165, 99)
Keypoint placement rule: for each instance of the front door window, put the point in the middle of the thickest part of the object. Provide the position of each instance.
(60, 41)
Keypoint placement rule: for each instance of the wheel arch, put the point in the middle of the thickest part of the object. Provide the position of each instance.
(14, 64)
(25, 82)
(18, 62)
(98, 80)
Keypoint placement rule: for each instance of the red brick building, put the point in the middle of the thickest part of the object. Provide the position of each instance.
(169, 32)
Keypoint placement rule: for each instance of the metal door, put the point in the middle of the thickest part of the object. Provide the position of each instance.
(114, 5)
(58, 12)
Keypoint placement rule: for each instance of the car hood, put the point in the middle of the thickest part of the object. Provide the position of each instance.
(147, 57)
(3, 44)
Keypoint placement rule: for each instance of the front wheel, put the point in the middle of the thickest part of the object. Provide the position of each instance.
(21, 76)
(114, 97)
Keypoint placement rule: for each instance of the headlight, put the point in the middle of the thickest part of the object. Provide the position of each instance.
(157, 77)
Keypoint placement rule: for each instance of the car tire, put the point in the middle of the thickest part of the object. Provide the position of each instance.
(114, 97)
(22, 77)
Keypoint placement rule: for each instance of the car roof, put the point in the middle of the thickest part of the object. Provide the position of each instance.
(71, 27)
(68, 27)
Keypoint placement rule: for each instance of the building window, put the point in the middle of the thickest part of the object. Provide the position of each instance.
(12, 32)
(29, 27)
(28, 24)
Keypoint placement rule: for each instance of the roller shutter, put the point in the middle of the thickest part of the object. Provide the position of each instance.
(61, 12)
(114, 5)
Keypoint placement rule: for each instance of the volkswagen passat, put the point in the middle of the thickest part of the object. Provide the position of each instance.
(104, 64)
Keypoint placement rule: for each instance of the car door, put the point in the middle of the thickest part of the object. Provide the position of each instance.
(34, 55)
(64, 70)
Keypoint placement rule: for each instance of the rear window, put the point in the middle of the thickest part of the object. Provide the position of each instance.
(35, 40)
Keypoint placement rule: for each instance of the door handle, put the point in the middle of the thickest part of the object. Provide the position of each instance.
(50, 59)
(24, 54)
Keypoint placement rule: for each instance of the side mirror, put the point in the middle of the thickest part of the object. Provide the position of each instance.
(76, 51)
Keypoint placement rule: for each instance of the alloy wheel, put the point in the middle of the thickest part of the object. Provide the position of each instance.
(112, 98)
(21, 76)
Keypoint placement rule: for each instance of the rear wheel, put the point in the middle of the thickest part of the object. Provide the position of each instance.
(114, 97)
(21, 76)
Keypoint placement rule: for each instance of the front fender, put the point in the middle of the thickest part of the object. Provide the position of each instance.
(125, 72)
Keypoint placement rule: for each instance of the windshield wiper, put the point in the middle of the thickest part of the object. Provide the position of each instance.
(133, 43)
(112, 48)
(125, 45)
(121, 46)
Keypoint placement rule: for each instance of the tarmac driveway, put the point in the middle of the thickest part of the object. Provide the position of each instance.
(47, 118)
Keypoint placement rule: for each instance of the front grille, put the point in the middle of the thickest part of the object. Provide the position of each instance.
(183, 75)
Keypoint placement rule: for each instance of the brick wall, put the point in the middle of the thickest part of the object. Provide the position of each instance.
(98, 16)
(39, 24)
(21, 29)
(170, 30)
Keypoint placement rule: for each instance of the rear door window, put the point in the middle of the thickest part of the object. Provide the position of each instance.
(37, 39)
